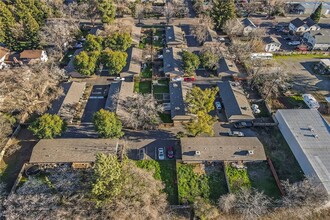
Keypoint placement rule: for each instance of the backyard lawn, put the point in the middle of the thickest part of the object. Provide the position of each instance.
(142, 87)
(280, 153)
(147, 71)
(262, 179)
(166, 172)
(237, 178)
(162, 86)
(192, 183)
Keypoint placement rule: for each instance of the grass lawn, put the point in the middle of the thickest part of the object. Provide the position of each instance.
(280, 153)
(142, 87)
(166, 118)
(301, 56)
(163, 86)
(166, 172)
(147, 72)
(237, 178)
(294, 102)
(262, 179)
(192, 184)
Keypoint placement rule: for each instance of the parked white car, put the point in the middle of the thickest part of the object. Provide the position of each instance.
(236, 133)
(161, 155)
(218, 105)
(294, 43)
(177, 79)
(255, 109)
(311, 101)
(119, 78)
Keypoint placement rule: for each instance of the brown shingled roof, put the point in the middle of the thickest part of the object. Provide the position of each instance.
(3, 52)
(31, 54)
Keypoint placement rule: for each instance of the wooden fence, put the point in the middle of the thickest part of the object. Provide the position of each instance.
(277, 180)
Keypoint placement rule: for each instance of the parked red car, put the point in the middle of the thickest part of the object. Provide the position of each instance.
(170, 152)
(188, 79)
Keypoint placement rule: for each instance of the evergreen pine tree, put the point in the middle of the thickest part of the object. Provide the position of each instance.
(317, 14)
(223, 10)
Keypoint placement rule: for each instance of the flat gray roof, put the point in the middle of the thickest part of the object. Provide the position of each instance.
(236, 105)
(134, 61)
(311, 132)
(71, 150)
(222, 149)
(326, 62)
(113, 92)
(176, 97)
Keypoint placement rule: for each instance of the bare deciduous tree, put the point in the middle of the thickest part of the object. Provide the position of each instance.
(233, 27)
(28, 90)
(249, 203)
(59, 34)
(139, 12)
(202, 30)
(307, 193)
(142, 112)
(169, 11)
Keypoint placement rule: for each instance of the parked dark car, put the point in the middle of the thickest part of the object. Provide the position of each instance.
(243, 124)
(170, 152)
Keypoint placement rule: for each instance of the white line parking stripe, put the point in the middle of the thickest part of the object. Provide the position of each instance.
(96, 97)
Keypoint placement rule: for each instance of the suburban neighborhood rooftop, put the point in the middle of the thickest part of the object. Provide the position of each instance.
(222, 149)
(71, 150)
(177, 103)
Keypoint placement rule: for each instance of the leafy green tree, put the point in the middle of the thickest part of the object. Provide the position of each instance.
(222, 11)
(190, 62)
(2, 31)
(107, 124)
(209, 60)
(201, 100)
(31, 31)
(86, 63)
(118, 41)
(108, 178)
(316, 15)
(202, 124)
(114, 60)
(93, 43)
(107, 11)
(48, 126)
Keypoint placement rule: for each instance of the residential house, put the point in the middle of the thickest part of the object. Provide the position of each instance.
(33, 56)
(70, 68)
(174, 36)
(113, 93)
(227, 68)
(248, 26)
(219, 149)
(178, 110)
(172, 62)
(308, 8)
(308, 136)
(318, 40)
(235, 103)
(79, 152)
(272, 44)
(3, 53)
(323, 67)
(126, 91)
(299, 26)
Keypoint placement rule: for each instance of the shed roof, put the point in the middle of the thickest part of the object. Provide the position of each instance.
(297, 22)
(176, 97)
(31, 54)
(71, 150)
(311, 132)
(248, 23)
(270, 39)
(236, 105)
(222, 149)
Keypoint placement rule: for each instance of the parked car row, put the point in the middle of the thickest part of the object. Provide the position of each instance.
(169, 153)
